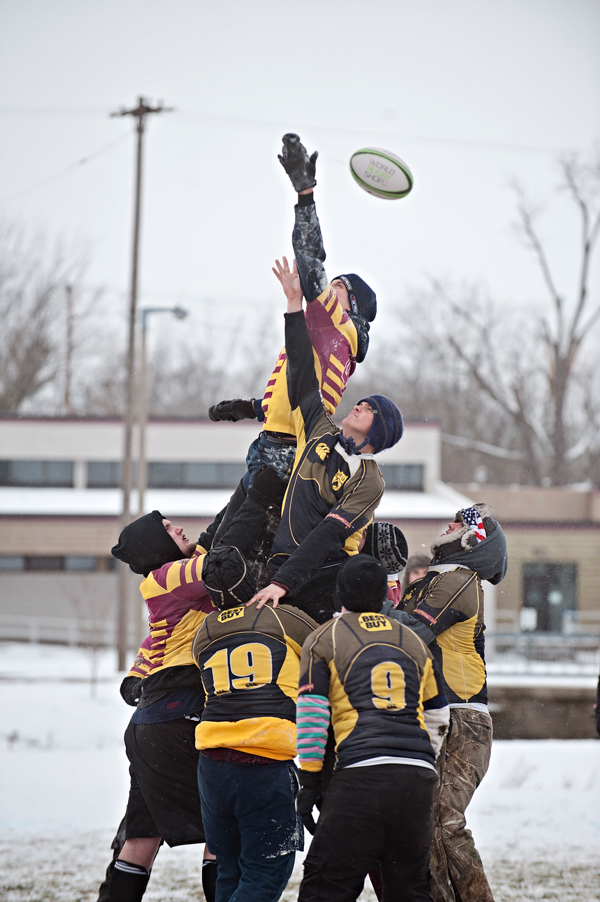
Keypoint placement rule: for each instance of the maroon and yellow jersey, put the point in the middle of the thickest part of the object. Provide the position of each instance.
(334, 340)
(177, 606)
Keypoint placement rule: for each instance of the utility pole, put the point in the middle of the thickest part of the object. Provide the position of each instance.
(69, 354)
(139, 113)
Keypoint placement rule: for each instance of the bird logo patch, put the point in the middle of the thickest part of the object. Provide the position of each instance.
(338, 480)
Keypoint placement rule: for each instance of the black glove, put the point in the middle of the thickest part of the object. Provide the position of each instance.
(238, 409)
(267, 488)
(307, 798)
(295, 160)
(362, 331)
(131, 690)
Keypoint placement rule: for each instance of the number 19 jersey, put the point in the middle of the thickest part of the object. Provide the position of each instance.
(249, 661)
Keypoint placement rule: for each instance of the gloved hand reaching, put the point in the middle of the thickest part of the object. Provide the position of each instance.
(297, 163)
(232, 411)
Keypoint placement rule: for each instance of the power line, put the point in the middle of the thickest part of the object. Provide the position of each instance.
(221, 119)
(67, 169)
(335, 129)
(54, 111)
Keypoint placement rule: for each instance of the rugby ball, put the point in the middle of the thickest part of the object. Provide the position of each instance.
(381, 173)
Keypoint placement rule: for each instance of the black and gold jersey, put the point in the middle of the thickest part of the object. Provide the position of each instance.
(331, 495)
(449, 601)
(379, 679)
(249, 662)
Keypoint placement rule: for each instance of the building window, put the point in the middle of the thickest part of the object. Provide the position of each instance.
(44, 563)
(37, 473)
(204, 475)
(56, 563)
(403, 477)
(12, 562)
(80, 563)
(549, 595)
(103, 474)
(169, 475)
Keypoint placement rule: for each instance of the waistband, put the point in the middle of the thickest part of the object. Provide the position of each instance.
(280, 438)
(234, 756)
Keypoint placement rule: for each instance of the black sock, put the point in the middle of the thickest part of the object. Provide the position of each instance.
(209, 879)
(128, 882)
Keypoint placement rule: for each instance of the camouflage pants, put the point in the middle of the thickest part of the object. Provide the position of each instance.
(456, 868)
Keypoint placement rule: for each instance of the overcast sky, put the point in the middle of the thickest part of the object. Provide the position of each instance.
(471, 94)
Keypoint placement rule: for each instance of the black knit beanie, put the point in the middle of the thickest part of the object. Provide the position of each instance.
(227, 577)
(361, 584)
(388, 426)
(363, 299)
(146, 545)
(386, 542)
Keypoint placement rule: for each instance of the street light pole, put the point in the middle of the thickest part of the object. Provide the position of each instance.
(180, 313)
(69, 350)
(139, 113)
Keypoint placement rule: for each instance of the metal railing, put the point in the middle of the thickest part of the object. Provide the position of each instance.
(59, 630)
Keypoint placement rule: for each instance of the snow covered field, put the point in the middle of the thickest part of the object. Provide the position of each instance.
(64, 781)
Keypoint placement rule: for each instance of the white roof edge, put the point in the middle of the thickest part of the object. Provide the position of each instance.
(438, 505)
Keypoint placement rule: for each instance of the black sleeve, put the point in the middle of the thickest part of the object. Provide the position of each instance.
(325, 540)
(206, 538)
(131, 690)
(597, 707)
(301, 375)
(307, 242)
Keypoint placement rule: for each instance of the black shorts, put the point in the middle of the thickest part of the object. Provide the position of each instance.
(163, 798)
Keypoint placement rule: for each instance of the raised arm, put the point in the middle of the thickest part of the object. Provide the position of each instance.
(301, 376)
(306, 237)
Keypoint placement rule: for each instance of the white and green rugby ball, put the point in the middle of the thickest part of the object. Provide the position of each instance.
(381, 173)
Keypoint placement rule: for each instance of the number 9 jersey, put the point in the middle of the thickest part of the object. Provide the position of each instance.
(379, 678)
(249, 661)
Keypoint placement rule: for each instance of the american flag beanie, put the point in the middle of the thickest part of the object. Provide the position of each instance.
(472, 517)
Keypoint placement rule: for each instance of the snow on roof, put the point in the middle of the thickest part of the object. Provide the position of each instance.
(438, 505)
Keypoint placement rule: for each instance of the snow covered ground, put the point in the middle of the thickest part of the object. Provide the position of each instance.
(63, 787)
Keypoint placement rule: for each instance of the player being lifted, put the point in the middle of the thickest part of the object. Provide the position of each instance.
(338, 314)
(335, 486)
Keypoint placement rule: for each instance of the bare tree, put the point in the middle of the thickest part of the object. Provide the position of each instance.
(93, 607)
(44, 314)
(565, 328)
(28, 291)
(516, 386)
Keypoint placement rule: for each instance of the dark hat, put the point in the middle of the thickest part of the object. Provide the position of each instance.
(227, 577)
(146, 545)
(387, 426)
(478, 544)
(415, 562)
(361, 584)
(386, 542)
(363, 299)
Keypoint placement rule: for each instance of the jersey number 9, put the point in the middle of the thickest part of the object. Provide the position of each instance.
(387, 684)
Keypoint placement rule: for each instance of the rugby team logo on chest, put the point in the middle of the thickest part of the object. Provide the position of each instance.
(338, 480)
